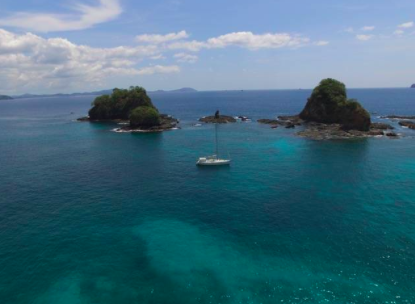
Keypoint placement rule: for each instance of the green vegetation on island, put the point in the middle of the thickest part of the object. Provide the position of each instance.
(119, 104)
(132, 105)
(145, 116)
(329, 104)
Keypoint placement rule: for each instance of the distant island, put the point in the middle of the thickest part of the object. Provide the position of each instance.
(182, 90)
(413, 86)
(133, 106)
(329, 114)
(5, 97)
(98, 93)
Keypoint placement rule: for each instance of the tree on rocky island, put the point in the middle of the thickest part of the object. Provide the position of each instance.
(145, 117)
(329, 104)
(119, 104)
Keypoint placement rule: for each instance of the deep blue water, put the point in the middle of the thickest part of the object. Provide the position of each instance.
(92, 216)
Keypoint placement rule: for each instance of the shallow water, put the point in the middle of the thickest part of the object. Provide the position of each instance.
(92, 216)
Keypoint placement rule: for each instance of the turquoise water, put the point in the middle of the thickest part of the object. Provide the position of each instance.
(92, 216)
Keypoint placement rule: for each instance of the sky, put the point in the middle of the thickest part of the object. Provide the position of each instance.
(49, 46)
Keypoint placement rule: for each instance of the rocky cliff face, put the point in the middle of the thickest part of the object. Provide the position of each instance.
(329, 104)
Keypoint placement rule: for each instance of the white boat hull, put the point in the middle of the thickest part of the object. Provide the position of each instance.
(213, 162)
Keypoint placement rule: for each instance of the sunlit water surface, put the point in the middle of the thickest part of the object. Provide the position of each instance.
(92, 216)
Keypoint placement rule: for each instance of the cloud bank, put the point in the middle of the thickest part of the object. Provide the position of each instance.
(247, 40)
(29, 61)
(82, 17)
(157, 39)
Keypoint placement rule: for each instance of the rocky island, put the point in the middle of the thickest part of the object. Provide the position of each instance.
(133, 107)
(329, 114)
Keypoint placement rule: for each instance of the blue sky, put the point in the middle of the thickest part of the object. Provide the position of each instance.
(81, 45)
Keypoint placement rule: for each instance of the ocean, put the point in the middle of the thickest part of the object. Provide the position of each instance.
(88, 215)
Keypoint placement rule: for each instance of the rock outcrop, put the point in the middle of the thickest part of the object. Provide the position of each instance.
(288, 122)
(381, 126)
(408, 124)
(320, 131)
(166, 123)
(398, 117)
(217, 118)
(328, 104)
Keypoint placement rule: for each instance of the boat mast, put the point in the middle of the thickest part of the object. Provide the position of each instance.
(216, 140)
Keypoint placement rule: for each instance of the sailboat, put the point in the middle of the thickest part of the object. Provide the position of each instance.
(213, 160)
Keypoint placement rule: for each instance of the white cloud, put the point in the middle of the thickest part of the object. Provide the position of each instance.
(406, 25)
(364, 37)
(368, 28)
(321, 43)
(188, 58)
(251, 41)
(83, 16)
(193, 46)
(246, 40)
(29, 62)
(158, 57)
(159, 69)
(157, 39)
(398, 32)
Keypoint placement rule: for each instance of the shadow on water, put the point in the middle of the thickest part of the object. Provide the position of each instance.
(214, 168)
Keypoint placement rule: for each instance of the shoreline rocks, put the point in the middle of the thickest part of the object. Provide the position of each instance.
(320, 131)
(323, 131)
(397, 117)
(289, 122)
(381, 126)
(407, 124)
(167, 123)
